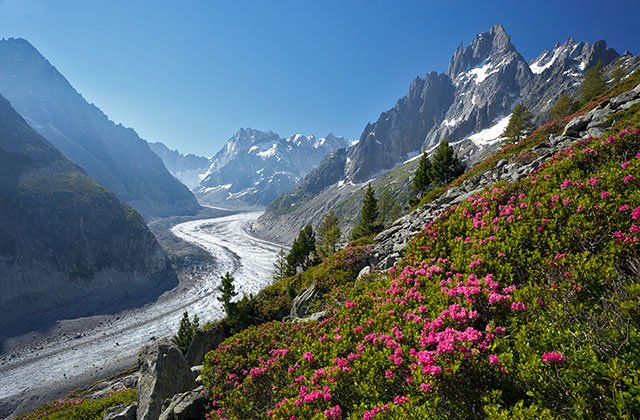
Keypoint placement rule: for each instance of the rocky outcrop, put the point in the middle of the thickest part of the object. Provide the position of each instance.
(121, 412)
(391, 243)
(191, 405)
(164, 372)
(111, 154)
(68, 247)
(204, 341)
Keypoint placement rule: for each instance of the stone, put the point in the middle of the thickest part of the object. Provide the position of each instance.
(191, 405)
(203, 342)
(163, 373)
(365, 271)
(121, 412)
(300, 304)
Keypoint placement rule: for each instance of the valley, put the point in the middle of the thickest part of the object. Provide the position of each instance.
(91, 348)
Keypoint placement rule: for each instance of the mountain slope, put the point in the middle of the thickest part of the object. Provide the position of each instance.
(254, 167)
(111, 154)
(188, 169)
(470, 105)
(68, 247)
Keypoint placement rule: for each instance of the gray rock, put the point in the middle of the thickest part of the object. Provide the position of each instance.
(104, 388)
(301, 303)
(203, 342)
(163, 373)
(191, 405)
(365, 271)
(121, 412)
(316, 316)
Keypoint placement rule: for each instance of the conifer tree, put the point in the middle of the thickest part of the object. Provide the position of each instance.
(186, 332)
(445, 165)
(422, 176)
(519, 124)
(594, 83)
(388, 209)
(302, 251)
(328, 235)
(280, 265)
(564, 106)
(368, 215)
(228, 292)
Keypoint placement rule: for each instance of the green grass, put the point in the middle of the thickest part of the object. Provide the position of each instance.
(81, 409)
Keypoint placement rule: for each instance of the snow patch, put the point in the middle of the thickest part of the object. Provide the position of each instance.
(269, 152)
(492, 134)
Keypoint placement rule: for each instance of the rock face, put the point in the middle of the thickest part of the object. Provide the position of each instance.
(121, 412)
(203, 342)
(68, 247)
(470, 105)
(188, 169)
(111, 154)
(255, 167)
(186, 406)
(163, 373)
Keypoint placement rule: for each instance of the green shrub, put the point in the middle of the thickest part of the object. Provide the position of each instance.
(81, 409)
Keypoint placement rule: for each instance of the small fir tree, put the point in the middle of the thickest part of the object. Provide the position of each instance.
(594, 83)
(388, 209)
(302, 251)
(228, 292)
(368, 215)
(445, 165)
(519, 124)
(328, 235)
(280, 265)
(564, 106)
(186, 332)
(422, 176)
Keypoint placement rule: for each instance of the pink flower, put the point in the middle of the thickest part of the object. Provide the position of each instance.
(625, 165)
(425, 387)
(388, 374)
(518, 306)
(628, 179)
(623, 207)
(308, 356)
(400, 399)
(635, 213)
(334, 412)
(553, 357)
(493, 360)
(605, 194)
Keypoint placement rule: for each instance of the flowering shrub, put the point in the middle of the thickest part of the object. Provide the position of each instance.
(79, 408)
(520, 302)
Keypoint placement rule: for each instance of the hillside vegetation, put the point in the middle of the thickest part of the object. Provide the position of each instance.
(521, 302)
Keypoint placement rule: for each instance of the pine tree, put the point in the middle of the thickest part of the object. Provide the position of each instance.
(422, 176)
(564, 106)
(302, 251)
(328, 235)
(228, 292)
(368, 215)
(594, 83)
(445, 165)
(280, 265)
(388, 209)
(186, 332)
(519, 124)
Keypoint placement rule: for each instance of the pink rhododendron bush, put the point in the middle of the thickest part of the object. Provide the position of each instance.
(522, 302)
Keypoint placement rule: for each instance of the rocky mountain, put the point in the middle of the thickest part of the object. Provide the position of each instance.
(254, 167)
(68, 247)
(469, 105)
(188, 169)
(113, 155)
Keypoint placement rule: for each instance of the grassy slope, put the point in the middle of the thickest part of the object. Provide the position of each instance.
(522, 301)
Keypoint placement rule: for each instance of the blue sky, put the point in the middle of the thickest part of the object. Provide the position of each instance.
(190, 73)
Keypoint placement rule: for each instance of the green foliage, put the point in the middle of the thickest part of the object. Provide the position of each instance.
(328, 235)
(594, 83)
(186, 332)
(228, 292)
(280, 266)
(422, 176)
(388, 209)
(81, 409)
(303, 251)
(564, 106)
(519, 125)
(445, 165)
(368, 215)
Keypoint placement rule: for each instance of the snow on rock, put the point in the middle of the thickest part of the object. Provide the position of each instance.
(492, 134)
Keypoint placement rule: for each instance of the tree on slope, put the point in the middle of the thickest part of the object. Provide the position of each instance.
(228, 292)
(280, 265)
(186, 332)
(302, 251)
(422, 176)
(388, 209)
(445, 165)
(368, 215)
(594, 83)
(328, 235)
(564, 106)
(519, 124)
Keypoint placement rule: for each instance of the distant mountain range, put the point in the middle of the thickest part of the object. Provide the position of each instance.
(253, 167)
(113, 155)
(68, 247)
(469, 105)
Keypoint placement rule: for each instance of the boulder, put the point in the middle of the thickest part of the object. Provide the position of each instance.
(203, 342)
(191, 405)
(121, 412)
(300, 304)
(163, 373)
